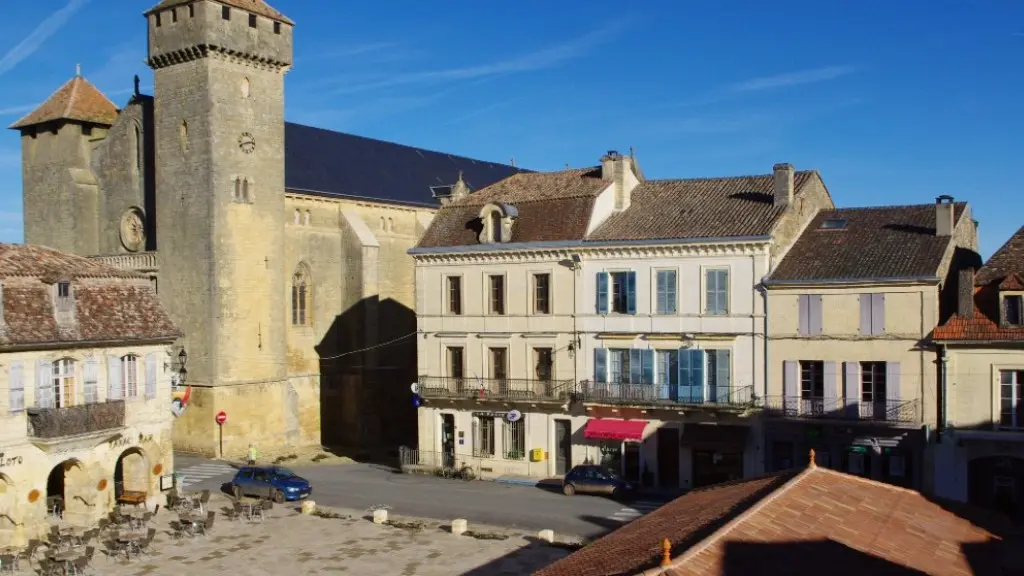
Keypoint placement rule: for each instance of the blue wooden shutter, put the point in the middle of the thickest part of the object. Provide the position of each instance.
(865, 314)
(814, 311)
(630, 292)
(851, 393)
(697, 363)
(16, 378)
(151, 361)
(673, 373)
(723, 376)
(600, 365)
(115, 388)
(878, 313)
(602, 292)
(892, 390)
(831, 383)
(91, 377)
(684, 375)
(804, 315)
(648, 366)
(636, 369)
(44, 384)
(790, 386)
(670, 292)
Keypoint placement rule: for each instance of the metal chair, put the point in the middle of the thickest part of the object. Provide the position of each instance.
(204, 527)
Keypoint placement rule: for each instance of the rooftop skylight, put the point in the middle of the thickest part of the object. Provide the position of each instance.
(833, 224)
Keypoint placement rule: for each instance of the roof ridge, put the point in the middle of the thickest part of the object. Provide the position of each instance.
(889, 207)
(716, 178)
(76, 82)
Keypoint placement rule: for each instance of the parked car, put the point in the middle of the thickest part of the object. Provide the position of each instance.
(275, 482)
(591, 479)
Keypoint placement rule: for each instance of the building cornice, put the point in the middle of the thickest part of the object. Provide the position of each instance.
(850, 282)
(558, 251)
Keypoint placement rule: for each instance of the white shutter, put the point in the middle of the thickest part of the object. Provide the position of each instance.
(91, 376)
(16, 379)
(151, 360)
(115, 386)
(44, 384)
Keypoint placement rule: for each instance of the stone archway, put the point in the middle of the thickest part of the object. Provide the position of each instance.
(69, 489)
(131, 472)
(997, 483)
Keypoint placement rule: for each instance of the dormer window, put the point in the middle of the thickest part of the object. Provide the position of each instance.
(834, 224)
(497, 220)
(64, 290)
(1013, 309)
(495, 227)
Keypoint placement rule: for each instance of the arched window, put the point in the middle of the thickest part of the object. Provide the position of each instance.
(298, 216)
(138, 148)
(184, 136)
(495, 226)
(306, 216)
(391, 224)
(301, 296)
(63, 383)
(381, 222)
(130, 375)
(245, 190)
(245, 87)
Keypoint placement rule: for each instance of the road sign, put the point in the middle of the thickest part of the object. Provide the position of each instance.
(222, 417)
(415, 387)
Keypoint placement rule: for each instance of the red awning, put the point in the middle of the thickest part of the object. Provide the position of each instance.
(606, 429)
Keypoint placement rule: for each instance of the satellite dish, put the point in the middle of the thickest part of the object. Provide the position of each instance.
(415, 387)
(514, 415)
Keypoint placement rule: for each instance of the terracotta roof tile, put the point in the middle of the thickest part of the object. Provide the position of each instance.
(76, 100)
(877, 242)
(698, 208)
(1007, 260)
(258, 7)
(817, 521)
(31, 261)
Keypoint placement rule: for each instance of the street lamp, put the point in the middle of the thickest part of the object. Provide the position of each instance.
(182, 360)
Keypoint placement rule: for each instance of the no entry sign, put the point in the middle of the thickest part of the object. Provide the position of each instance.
(222, 417)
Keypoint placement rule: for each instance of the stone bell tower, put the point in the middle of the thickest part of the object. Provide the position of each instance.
(218, 72)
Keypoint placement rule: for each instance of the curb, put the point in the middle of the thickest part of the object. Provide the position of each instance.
(517, 481)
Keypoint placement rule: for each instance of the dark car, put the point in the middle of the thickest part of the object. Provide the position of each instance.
(275, 482)
(590, 479)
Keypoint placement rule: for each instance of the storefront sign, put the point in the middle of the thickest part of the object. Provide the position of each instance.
(125, 441)
(8, 461)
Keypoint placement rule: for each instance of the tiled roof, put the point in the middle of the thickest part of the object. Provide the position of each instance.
(699, 208)
(110, 305)
(76, 100)
(258, 7)
(337, 164)
(884, 242)
(1003, 271)
(816, 521)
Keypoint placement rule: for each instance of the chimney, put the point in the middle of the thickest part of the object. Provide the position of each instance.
(944, 215)
(782, 184)
(965, 293)
(618, 170)
(460, 189)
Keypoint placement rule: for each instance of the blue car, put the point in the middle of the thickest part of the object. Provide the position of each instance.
(274, 482)
(590, 479)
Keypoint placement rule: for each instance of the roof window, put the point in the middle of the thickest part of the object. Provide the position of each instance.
(834, 224)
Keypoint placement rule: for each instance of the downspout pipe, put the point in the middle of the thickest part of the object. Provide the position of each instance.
(942, 421)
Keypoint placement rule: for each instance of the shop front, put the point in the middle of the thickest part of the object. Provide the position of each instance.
(618, 444)
(717, 452)
(983, 468)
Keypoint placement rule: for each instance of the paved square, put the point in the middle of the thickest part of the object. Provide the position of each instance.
(290, 543)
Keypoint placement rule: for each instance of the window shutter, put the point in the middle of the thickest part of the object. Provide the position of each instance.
(865, 314)
(648, 366)
(44, 384)
(630, 292)
(814, 311)
(851, 393)
(600, 365)
(151, 360)
(790, 386)
(673, 375)
(803, 329)
(636, 369)
(602, 292)
(684, 383)
(723, 291)
(831, 382)
(670, 292)
(91, 376)
(878, 313)
(723, 377)
(115, 388)
(697, 362)
(661, 300)
(16, 376)
(892, 388)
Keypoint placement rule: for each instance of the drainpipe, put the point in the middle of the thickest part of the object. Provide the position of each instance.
(764, 392)
(942, 421)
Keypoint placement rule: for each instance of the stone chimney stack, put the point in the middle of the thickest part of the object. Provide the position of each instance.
(617, 170)
(944, 215)
(965, 293)
(782, 184)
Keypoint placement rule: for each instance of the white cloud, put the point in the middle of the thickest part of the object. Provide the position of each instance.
(38, 36)
(791, 79)
(12, 110)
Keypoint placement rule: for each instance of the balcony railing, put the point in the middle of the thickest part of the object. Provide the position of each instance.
(647, 394)
(75, 420)
(899, 411)
(494, 388)
(139, 261)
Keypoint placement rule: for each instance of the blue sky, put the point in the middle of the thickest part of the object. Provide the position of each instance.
(894, 102)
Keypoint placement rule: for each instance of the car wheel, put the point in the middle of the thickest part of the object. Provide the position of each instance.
(236, 490)
(616, 494)
(279, 497)
(568, 489)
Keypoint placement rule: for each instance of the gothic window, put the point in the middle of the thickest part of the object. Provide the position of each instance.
(242, 189)
(245, 190)
(138, 148)
(301, 296)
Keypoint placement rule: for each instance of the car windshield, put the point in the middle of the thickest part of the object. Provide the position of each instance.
(283, 473)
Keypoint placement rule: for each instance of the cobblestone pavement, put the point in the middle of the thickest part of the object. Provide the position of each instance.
(291, 543)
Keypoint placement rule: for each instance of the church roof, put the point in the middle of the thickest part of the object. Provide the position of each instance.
(258, 7)
(76, 100)
(320, 161)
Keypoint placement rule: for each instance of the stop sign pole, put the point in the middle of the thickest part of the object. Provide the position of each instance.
(221, 418)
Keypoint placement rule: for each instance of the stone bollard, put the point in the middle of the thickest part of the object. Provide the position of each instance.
(546, 535)
(459, 527)
(380, 516)
(307, 507)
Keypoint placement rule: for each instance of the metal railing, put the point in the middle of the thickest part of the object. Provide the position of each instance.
(139, 261)
(74, 420)
(494, 388)
(644, 394)
(903, 411)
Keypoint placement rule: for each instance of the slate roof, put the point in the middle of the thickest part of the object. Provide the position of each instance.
(1003, 271)
(333, 163)
(76, 100)
(111, 305)
(884, 242)
(811, 521)
(258, 7)
(557, 206)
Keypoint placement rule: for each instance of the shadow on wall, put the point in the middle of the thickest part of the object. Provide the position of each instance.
(365, 402)
(962, 258)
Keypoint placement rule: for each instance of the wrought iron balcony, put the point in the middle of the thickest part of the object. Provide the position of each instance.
(75, 420)
(494, 388)
(655, 394)
(894, 411)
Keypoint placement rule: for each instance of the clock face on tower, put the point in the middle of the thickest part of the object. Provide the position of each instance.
(133, 230)
(247, 143)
